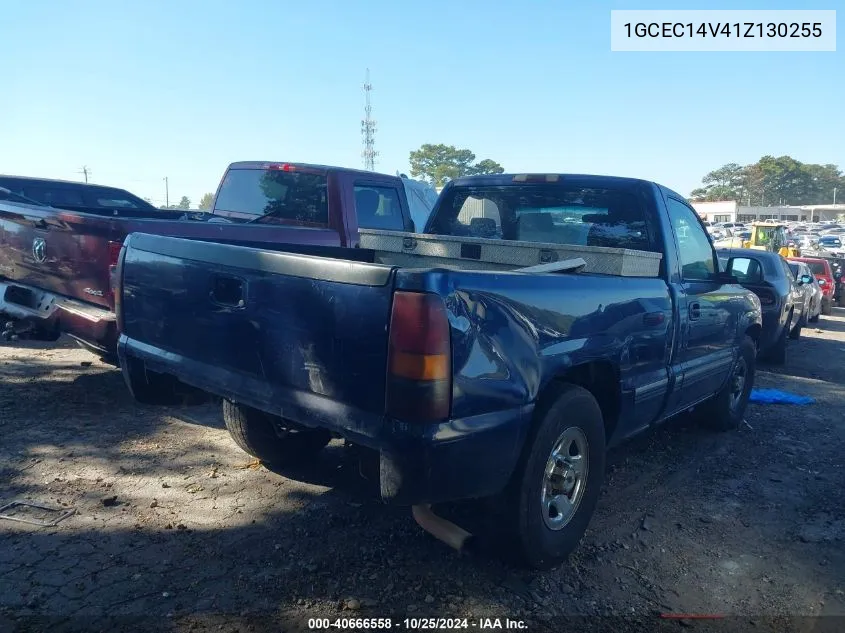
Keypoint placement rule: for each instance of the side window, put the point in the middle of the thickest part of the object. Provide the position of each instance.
(378, 208)
(696, 250)
(116, 203)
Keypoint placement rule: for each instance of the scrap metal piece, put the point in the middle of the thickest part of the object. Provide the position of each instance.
(65, 513)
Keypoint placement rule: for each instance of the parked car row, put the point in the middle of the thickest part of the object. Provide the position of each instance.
(792, 291)
(496, 352)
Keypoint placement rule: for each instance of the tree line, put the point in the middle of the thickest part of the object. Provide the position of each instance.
(771, 181)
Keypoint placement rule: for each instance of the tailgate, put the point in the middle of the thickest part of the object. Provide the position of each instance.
(274, 330)
(56, 251)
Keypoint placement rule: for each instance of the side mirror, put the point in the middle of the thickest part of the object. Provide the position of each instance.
(806, 279)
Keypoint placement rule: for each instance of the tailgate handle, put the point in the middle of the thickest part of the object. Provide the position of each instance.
(228, 291)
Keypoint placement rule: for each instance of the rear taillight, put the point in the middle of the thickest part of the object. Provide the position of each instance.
(766, 298)
(114, 252)
(114, 257)
(419, 366)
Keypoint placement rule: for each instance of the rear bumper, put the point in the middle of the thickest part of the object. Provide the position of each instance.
(94, 326)
(459, 459)
(419, 463)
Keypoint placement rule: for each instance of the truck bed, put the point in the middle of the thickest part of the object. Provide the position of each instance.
(305, 337)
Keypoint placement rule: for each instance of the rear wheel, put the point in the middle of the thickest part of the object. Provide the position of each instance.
(555, 489)
(272, 439)
(726, 410)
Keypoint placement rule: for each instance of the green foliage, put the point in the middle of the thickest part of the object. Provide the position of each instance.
(206, 201)
(437, 164)
(184, 203)
(772, 181)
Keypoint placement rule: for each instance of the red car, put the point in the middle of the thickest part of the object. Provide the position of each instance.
(824, 274)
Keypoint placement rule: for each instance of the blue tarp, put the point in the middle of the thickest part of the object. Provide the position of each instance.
(776, 396)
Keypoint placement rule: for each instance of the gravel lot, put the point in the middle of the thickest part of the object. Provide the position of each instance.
(177, 529)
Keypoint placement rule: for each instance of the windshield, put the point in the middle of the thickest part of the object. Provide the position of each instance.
(287, 196)
(818, 268)
(545, 213)
(795, 269)
(830, 240)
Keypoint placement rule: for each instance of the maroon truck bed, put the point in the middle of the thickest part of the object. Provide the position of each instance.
(56, 266)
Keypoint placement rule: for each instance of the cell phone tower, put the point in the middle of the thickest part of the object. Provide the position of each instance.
(368, 128)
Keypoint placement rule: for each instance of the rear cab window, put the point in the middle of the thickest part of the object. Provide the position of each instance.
(378, 207)
(55, 196)
(565, 214)
(277, 194)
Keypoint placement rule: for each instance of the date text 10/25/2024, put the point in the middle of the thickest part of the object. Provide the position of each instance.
(423, 624)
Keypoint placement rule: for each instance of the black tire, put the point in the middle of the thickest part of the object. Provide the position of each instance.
(566, 410)
(272, 439)
(726, 410)
(795, 332)
(827, 308)
(815, 318)
(149, 387)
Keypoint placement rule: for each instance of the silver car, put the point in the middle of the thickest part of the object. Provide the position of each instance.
(810, 289)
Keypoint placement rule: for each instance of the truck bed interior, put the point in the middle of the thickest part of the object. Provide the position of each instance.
(414, 250)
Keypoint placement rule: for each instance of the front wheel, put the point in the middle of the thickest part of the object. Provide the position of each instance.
(827, 308)
(555, 490)
(726, 410)
(272, 439)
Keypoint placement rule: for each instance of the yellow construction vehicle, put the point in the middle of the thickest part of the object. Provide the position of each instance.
(771, 236)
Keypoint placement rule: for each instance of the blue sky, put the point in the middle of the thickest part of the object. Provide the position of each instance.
(142, 90)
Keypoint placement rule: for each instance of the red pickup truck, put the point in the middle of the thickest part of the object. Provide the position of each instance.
(57, 259)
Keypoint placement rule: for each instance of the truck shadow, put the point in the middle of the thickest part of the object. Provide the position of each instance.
(301, 552)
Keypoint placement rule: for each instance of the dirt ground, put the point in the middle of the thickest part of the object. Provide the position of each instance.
(175, 529)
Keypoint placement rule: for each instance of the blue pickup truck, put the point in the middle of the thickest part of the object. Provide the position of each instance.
(539, 320)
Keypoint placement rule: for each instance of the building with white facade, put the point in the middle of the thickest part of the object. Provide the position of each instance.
(717, 211)
(730, 211)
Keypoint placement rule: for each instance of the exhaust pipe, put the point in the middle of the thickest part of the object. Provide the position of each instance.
(443, 530)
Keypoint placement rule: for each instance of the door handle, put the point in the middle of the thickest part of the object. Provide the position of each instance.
(694, 311)
(228, 291)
